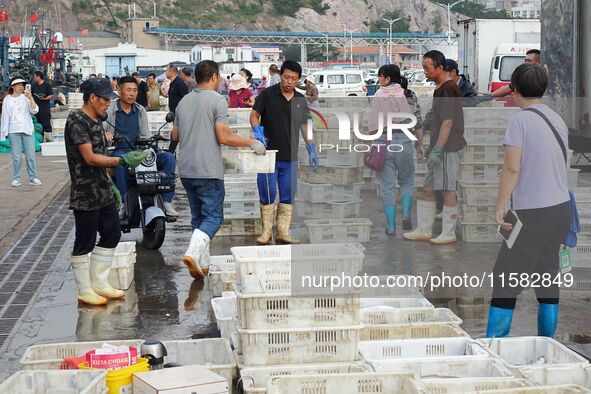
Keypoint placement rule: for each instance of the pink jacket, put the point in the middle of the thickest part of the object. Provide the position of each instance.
(388, 99)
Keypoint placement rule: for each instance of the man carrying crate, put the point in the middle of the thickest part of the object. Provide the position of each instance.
(201, 127)
(278, 114)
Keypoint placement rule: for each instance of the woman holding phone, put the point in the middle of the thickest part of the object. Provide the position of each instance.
(18, 109)
(240, 96)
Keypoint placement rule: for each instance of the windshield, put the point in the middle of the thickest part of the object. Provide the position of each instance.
(508, 65)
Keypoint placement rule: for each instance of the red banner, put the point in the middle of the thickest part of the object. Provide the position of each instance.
(15, 39)
(34, 18)
(3, 16)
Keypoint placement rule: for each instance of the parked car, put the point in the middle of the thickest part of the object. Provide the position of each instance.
(340, 83)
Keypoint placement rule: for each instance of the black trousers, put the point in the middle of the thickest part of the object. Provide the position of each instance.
(44, 119)
(105, 221)
(534, 253)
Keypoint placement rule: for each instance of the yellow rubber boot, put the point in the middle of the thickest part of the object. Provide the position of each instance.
(86, 295)
(268, 219)
(284, 216)
(101, 260)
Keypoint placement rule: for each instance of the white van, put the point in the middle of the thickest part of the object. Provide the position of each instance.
(331, 83)
(506, 59)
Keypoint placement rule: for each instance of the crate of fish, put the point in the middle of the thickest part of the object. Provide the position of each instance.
(240, 209)
(338, 230)
(336, 175)
(327, 210)
(244, 227)
(326, 192)
(483, 153)
(245, 161)
(489, 172)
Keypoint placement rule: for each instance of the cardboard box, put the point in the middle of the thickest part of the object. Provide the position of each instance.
(191, 379)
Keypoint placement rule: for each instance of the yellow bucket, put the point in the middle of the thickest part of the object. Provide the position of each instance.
(120, 381)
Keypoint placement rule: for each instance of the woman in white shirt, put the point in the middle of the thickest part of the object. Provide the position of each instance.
(17, 124)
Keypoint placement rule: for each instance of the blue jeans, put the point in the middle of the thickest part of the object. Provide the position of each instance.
(399, 166)
(165, 161)
(206, 200)
(20, 142)
(286, 176)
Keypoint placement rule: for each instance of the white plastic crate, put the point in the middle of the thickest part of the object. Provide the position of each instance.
(239, 115)
(52, 355)
(272, 264)
(58, 123)
(480, 232)
(224, 310)
(573, 177)
(56, 148)
(584, 209)
(483, 153)
(484, 135)
(447, 367)
(581, 255)
(428, 348)
(243, 130)
(478, 213)
(383, 332)
(263, 311)
(489, 116)
(330, 156)
(480, 171)
(62, 382)
(242, 209)
(319, 193)
(245, 161)
(241, 187)
(221, 274)
(457, 386)
(478, 193)
(338, 230)
(561, 389)
(336, 175)
(389, 315)
(298, 345)
(327, 210)
(531, 351)
(214, 354)
(405, 302)
(394, 287)
(585, 235)
(254, 379)
(240, 227)
(350, 383)
(122, 269)
(582, 194)
(563, 374)
(157, 116)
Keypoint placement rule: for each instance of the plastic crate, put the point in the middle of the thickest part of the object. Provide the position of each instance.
(330, 156)
(263, 311)
(581, 255)
(478, 213)
(62, 382)
(584, 209)
(245, 161)
(320, 193)
(573, 177)
(56, 148)
(122, 269)
(242, 130)
(531, 351)
(242, 227)
(298, 345)
(51, 356)
(383, 287)
(582, 194)
(429, 348)
(271, 265)
(415, 303)
(383, 332)
(58, 123)
(484, 135)
(562, 389)
(254, 379)
(389, 315)
(480, 232)
(241, 187)
(483, 153)
(350, 383)
(242, 209)
(338, 230)
(563, 374)
(327, 210)
(224, 310)
(480, 171)
(454, 386)
(239, 116)
(336, 175)
(214, 354)
(221, 274)
(478, 193)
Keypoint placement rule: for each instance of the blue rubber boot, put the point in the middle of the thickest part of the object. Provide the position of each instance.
(547, 319)
(499, 322)
(390, 213)
(406, 208)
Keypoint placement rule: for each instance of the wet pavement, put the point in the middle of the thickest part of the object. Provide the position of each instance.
(38, 303)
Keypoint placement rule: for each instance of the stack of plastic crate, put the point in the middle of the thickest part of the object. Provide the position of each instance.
(157, 119)
(581, 255)
(241, 205)
(57, 127)
(283, 330)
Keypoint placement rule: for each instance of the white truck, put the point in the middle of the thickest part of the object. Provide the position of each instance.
(479, 39)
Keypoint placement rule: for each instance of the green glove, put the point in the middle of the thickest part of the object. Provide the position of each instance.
(115, 193)
(434, 157)
(133, 159)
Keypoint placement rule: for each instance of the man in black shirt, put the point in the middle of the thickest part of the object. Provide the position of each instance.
(177, 90)
(43, 94)
(142, 91)
(278, 115)
(93, 196)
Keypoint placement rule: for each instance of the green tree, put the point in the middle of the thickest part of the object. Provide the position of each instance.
(474, 9)
(437, 23)
(287, 8)
(401, 26)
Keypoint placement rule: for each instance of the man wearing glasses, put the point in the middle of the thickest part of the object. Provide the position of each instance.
(532, 56)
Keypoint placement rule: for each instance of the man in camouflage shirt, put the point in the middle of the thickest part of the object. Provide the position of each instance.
(92, 196)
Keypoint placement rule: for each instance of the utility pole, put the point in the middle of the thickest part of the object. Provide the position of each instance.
(449, 7)
(326, 36)
(390, 22)
(388, 33)
(351, 31)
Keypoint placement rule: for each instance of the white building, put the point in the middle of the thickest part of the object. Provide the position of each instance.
(222, 54)
(527, 10)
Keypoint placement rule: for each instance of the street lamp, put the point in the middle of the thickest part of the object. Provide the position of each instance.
(449, 7)
(326, 36)
(351, 31)
(391, 22)
(388, 33)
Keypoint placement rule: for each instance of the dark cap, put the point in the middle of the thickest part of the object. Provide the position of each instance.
(451, 65)
(100, 87)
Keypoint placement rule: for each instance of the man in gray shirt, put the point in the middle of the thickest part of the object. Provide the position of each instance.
(201, 127)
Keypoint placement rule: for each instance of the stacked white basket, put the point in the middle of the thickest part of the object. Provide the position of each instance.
(241, 205)
(157, 119)
(75, 100)
(581, 255)
(57, 128)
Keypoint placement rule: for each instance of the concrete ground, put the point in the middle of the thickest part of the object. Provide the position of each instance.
(37, 290)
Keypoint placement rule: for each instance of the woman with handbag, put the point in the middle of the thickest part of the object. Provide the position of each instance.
(392, 161)
(534, 185)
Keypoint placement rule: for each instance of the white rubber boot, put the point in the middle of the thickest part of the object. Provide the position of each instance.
(86, 295)
(448, 226)
(425, 219)
(193, 256)
(101, 261)
(204, 260)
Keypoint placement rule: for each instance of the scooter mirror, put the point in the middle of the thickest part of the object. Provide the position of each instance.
(170, 117)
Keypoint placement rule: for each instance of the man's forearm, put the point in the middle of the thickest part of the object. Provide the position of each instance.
(304, 131)
(102, 161)
(444, 133)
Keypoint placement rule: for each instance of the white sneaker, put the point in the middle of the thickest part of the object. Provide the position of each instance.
(15, 183)
(169, 210)
(35, 182)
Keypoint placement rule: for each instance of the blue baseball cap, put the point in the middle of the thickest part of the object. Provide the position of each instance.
(100, 87)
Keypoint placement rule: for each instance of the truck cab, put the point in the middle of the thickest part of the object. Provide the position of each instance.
(506, 59)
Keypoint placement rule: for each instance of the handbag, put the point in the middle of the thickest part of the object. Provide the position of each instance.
(570, 239)
(375, 159)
